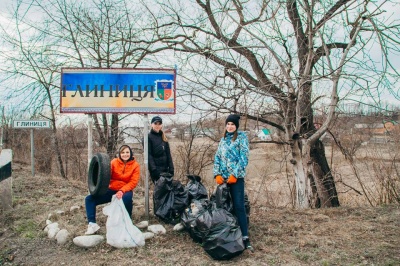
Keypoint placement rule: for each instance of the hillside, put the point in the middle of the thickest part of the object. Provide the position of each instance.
(339, 236)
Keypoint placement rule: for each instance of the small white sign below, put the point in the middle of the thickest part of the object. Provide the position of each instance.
(31, 124)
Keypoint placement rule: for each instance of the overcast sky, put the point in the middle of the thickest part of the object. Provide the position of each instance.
(6, 7)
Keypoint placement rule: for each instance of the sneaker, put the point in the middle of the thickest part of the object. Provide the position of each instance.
(92, 228)
(247, 245)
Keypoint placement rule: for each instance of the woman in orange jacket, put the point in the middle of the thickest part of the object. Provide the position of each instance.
(125, 174)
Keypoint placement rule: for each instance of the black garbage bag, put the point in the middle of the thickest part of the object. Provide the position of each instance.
(221, 235)
(170, 198)
(209, 223)
(195, 188)
(222, 198)
(189, 217)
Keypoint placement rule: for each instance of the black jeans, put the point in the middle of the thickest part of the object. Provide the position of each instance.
(237, 194)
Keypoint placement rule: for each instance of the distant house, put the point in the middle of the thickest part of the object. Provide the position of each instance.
(198, 132)
(380, 132)
(378, 128)
(390, 126)
(264, 134)
(210, 132)
(174, 131)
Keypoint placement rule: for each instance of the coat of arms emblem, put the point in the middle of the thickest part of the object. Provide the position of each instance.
(164, 89)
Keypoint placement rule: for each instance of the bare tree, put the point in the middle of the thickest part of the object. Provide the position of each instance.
(31, 67)
(101, 34)
(276, 61)
(195, 152)
(93, 34)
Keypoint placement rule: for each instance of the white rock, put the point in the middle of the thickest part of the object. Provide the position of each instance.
(60, 212)
(179, 227)
(148, 235)
(62, 236)
(50, 226)
(48, 222)
(74, 208)
(157, 229)
(88, 241)
(142, 224)
(53, 232)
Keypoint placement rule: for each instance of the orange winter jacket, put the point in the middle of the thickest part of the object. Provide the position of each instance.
(124, 176)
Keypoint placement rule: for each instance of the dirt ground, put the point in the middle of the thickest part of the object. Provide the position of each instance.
(280, 235)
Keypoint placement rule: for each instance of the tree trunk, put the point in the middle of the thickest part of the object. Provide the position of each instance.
(301, 179)
(114, 136)
(58, 152)
(315, 186)
(322, 178)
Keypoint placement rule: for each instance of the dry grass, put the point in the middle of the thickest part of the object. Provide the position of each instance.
(354, 234)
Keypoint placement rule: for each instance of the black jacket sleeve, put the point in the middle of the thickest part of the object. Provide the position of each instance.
(169, 158)
(152, 164)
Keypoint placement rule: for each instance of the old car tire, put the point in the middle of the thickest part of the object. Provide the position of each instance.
(99, 174)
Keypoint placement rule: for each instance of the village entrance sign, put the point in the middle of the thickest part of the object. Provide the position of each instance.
(110, 90)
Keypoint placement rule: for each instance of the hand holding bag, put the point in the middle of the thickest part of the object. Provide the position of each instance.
(121, 233)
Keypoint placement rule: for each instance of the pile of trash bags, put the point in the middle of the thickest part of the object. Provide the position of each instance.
(210, 221)
(170, 199)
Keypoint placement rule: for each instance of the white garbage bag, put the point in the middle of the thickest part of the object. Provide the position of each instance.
(121, 233)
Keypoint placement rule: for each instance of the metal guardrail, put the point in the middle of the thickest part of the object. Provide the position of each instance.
(5, 180)
(5, 164)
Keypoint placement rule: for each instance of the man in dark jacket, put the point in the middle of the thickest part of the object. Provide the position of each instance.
(160, 160)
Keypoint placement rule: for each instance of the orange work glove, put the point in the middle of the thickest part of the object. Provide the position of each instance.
(119, 194)
(232, 179)
(219, 179)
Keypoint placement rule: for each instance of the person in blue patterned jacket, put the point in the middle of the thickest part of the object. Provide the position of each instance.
(230, 164)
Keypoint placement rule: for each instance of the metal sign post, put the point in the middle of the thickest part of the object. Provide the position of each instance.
(31, 124)
(32, 153)
(146, 162)
(90, 138)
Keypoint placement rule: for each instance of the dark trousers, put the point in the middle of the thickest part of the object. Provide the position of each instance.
(237, 194)
(92, 201)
